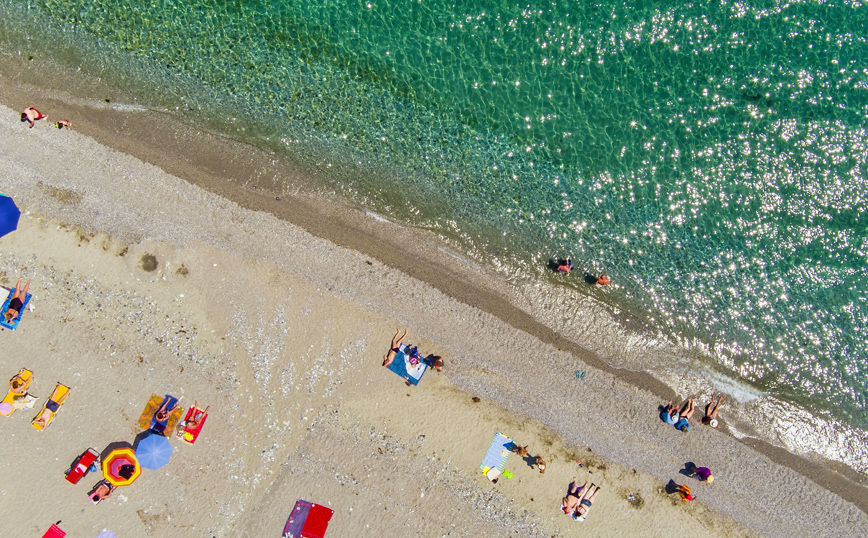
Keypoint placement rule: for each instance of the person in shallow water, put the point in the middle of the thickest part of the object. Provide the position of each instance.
(603, 280)
(566, 267)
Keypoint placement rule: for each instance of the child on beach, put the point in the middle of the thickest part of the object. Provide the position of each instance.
(17, 300)
(396, 347)
(61, 124)
(710, 418)
(31, 116)
(686, 413)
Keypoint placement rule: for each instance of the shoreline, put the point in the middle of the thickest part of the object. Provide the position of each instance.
(231, 170)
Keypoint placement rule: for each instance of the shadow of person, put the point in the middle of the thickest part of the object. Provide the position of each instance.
(530, 461)
(672, 487)
(553, 264)
(590, 279)
(686, 471)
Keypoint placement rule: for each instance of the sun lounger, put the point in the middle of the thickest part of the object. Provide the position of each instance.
(307, 520)
(148, 420)
(52, 405)
(6, 410)
(13, 323)
(402, 366)
(81, 466)
(496, 456)
(190, 434)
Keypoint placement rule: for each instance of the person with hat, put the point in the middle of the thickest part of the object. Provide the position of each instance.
(710, 418)
(703, 474)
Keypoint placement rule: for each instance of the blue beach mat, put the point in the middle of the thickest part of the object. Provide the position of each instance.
(14, 323)
(401, 366)
(494, 459)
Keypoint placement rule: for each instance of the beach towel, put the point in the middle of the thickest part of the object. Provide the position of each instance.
(52, 404)
(106, 534)
(496, 458)
(188, 434)
(13, 323)
(147, 420)
(401, 365)
(307, 520)
(8, 403)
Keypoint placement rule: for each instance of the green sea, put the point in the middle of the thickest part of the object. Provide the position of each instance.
(710, 158)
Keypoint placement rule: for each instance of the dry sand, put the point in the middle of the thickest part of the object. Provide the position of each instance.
(282, 333)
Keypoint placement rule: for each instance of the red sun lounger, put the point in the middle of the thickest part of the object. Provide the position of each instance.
(54, 532)
(81, 466)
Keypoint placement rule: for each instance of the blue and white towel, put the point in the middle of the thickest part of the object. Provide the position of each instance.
(401, 365)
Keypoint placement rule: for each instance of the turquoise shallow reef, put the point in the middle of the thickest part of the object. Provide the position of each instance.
(710, 158)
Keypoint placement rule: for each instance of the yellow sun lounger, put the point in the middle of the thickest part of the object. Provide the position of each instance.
(50, 408)
(22, 379)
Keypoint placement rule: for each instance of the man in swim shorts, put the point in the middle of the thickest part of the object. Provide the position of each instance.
(687, 410)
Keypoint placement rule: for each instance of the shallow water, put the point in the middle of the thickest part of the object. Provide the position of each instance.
(709, 159)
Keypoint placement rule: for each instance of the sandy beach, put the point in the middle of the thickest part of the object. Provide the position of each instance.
(276, 313)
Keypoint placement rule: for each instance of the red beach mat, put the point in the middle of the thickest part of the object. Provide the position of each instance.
(54, 532)
(307, 520)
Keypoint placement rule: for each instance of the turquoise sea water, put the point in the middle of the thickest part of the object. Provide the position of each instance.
(711, 159)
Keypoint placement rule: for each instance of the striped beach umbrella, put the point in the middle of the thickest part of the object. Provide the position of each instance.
(120, 467)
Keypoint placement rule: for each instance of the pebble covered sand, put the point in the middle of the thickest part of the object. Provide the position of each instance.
(145, 283)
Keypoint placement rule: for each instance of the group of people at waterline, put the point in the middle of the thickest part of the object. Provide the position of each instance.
(579, 499)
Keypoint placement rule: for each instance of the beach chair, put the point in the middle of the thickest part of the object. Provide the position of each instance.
(26, 376)
(190, 434)
(50, 407)
(13, 323)
(81, 466)
(307, 520)
(148, 419)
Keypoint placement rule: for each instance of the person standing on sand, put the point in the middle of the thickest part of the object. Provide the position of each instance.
(540, 463)
(31, 116)
(686, 413)
(396, 347)
(710, 418)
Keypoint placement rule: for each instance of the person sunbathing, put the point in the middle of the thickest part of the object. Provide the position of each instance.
(710, 418)
(163, 412)
(31, 115)
(520, 450)
(687, 410)
(196, 417)
(670, 414)
(16, 302)
(396, 347)
(573, 497)
(51, 407)
(437, 363)
(63, 124)
(585, 503)
(17, 385)
(103, 491)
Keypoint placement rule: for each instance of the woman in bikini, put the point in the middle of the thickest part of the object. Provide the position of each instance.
(570, 503)
(585, 504)
(396, 347)
(17, 300)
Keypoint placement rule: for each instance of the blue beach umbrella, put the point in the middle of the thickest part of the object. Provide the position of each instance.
(9, 215)
(154, 451)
